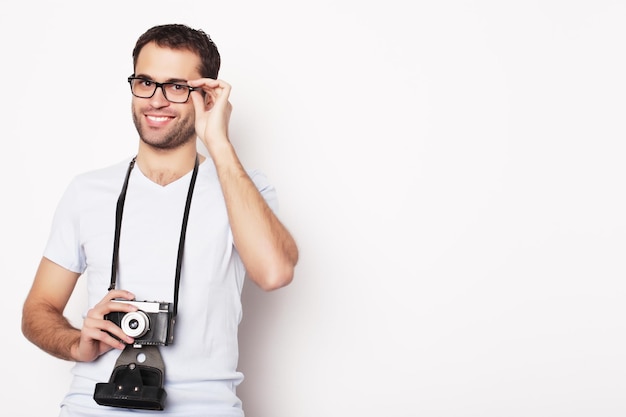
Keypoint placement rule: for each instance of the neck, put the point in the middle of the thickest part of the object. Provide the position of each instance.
(166, 166)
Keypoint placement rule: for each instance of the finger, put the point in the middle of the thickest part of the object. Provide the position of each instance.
(204, 83)
(106, 342)
(213, 87)
(105, 331)
(199, 101)
(104, 307)
(111, 295)
(114, 336)
(126, 295)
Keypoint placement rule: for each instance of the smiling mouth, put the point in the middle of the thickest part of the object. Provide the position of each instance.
(158, 118)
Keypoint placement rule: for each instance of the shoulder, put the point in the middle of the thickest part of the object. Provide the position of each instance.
(112, 172)
(109, 176)
(98, 181)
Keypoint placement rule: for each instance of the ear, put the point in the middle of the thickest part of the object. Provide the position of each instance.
(208, 102)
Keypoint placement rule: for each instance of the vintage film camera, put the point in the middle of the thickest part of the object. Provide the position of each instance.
(152, 324)
(139, 373)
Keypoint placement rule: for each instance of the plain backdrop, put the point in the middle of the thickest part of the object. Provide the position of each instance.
(453, 172)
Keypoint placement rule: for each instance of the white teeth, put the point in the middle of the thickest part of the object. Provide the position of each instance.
(158, 119)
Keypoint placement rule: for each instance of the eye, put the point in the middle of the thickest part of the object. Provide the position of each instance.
(145, 83)
(180, 87)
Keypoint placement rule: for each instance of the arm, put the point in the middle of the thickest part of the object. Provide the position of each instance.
(44, 325)
(267, 249)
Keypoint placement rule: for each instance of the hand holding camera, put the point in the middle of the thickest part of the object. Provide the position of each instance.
(151, 323)
(99, 335)
(136, 383)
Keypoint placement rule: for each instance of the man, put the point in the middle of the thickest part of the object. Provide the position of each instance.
(161, 249)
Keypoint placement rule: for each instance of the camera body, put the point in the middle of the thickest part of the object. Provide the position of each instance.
(152, 324)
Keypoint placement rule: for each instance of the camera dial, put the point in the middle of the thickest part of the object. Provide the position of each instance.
(135, 323)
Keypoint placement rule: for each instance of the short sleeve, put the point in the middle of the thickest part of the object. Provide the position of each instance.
(63, 246)
(265, 188)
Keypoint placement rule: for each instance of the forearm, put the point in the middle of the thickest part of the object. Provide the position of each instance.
(48, 329)
(267, 249)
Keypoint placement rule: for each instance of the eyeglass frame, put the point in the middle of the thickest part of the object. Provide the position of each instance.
(160, 85)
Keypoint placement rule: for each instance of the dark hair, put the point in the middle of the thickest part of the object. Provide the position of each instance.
(176, 36)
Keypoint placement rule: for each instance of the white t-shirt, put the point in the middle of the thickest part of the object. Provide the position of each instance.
(201, 365)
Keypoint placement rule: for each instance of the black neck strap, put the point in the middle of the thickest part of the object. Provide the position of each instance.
(183, 232)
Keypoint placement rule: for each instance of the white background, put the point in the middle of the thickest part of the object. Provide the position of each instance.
(453, 172)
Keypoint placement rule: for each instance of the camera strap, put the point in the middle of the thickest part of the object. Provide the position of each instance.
(181, 244)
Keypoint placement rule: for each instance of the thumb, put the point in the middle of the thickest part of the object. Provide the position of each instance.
(200, 105)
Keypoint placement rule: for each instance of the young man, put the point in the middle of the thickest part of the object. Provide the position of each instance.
(188, 229)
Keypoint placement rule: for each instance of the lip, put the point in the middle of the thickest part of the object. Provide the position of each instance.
(158, 120)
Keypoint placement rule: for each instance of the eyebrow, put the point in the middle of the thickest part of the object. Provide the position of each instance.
(169, 80)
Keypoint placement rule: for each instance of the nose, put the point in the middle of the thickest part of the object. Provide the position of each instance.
(158, 99)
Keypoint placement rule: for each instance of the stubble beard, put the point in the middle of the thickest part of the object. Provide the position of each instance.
(179, 135)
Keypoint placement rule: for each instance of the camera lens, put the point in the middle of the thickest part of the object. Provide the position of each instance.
(135, 323)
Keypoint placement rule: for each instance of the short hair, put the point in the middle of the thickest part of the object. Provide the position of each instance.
(177, 36)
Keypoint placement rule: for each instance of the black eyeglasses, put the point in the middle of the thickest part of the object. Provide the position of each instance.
(173, 92)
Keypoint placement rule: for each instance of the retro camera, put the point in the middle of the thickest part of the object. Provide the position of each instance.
(151, 324)
(138, 376)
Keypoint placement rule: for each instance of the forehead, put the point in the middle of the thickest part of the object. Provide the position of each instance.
(167, 64)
